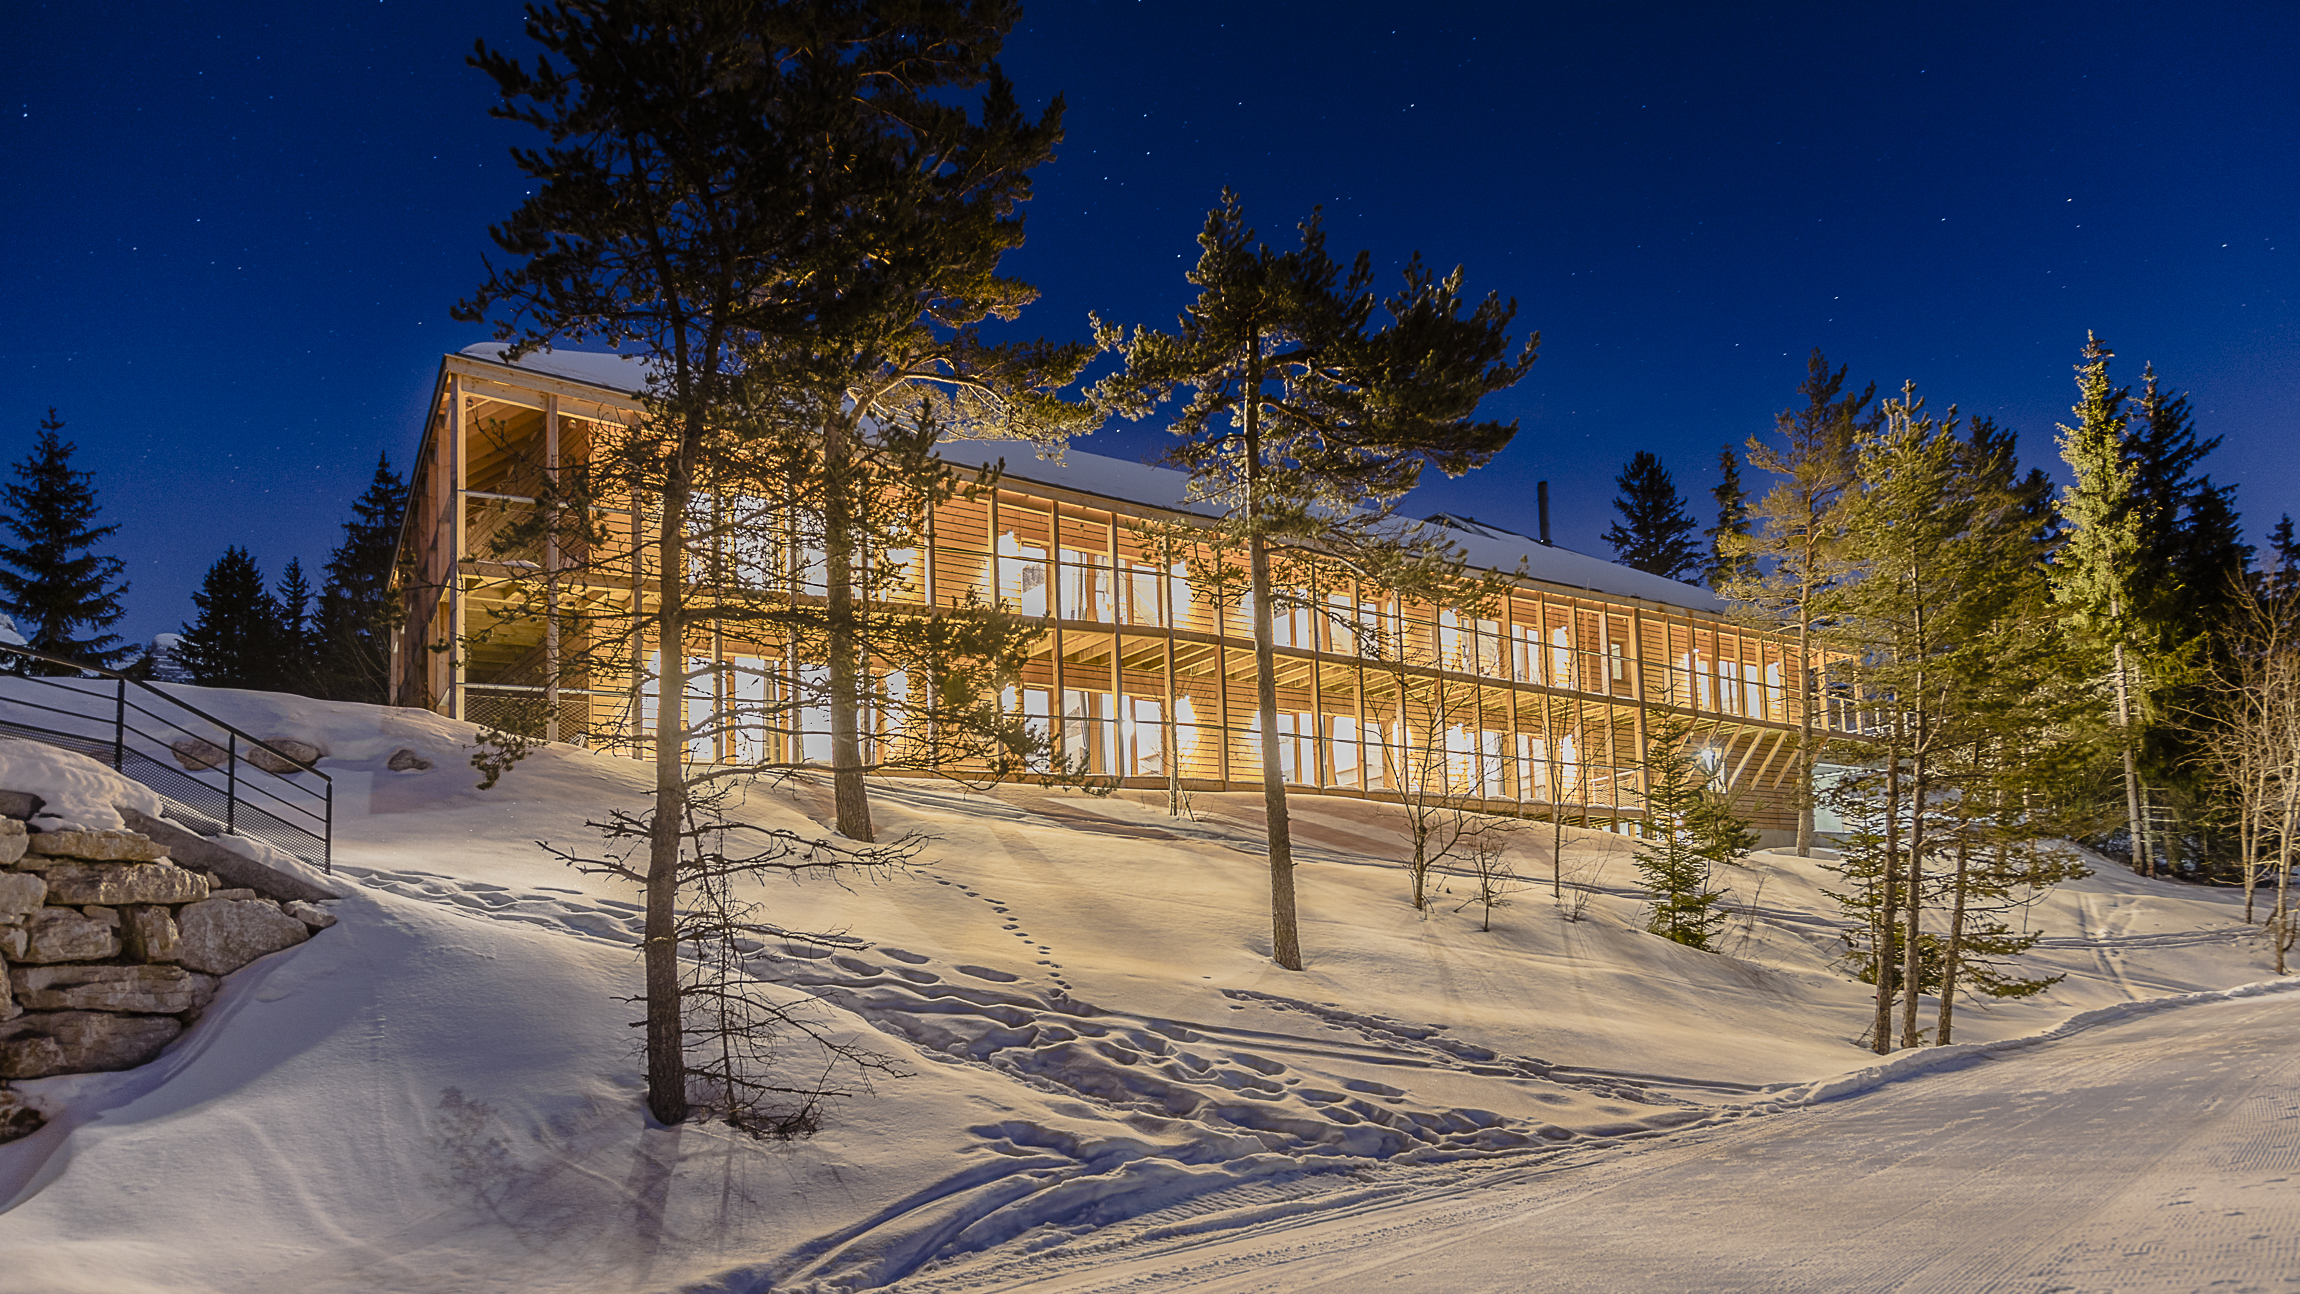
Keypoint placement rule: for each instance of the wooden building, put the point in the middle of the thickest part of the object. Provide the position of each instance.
(1542, 705)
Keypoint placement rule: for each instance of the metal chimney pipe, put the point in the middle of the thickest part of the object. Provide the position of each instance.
(1541, 491)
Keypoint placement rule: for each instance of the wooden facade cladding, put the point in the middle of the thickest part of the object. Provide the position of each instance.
(1136, 675)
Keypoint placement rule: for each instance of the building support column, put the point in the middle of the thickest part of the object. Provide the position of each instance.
(457, 456)
(551, 569)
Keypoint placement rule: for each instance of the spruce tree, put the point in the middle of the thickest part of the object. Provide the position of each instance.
(62, 595)
(1682, 841)
(235, 639)
(295, 650)
(352, 623)
(1306, 423)
(2280, 575)
(1659, 535)
(2096, 579)
(1732, 549)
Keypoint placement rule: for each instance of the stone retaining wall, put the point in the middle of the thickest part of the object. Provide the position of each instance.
(109, 948)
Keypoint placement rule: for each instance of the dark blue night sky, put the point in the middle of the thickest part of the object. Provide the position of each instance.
(233, 232)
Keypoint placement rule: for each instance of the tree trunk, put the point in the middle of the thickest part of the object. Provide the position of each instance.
(2283, 916)
(2133, 823)
(1285, 934)
(1912, 978)
(1881, 937)
(845, 671)
(1949, 958)
(2249, 809)
(1805, 760)
(666, 1035)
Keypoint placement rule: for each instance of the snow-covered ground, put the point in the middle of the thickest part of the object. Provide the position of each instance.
(1098, 1061)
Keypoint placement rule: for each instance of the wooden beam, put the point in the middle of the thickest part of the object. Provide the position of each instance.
(517, 385)
(551, 573)
(456, 484)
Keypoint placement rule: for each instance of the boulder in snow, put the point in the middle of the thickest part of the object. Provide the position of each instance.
(309, 915)
(113, 883)
(143, 990)
(20, 805)
(21, 895)
(197, 753)
(302, 752)
(404, 760)
(18, 1118)
(99, 846)
(148, 934)
(67, 935)
(40, 1043)
(220, 936)
(15, 838)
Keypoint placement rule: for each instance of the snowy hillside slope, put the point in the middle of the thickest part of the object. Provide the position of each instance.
(1094, 1047)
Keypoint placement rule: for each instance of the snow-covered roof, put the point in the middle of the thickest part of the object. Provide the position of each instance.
(1115, 478)
(1486, 545)
(592, 368)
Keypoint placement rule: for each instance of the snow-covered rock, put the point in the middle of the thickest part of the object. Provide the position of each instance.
(76, 792)
(309, 915)
(198, 754)
(237, 860)
(221, 935)
(303, 753)
(18, 1117)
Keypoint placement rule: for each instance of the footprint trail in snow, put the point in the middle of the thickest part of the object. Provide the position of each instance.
(1146, 1121)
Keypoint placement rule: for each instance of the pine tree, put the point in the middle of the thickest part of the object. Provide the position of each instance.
(1732, 548)
(61, 594)
(1659, 534)
(1798, 539)
(2017, 692)
(1307, 423)
(778, 204)
(1941, 615)
(235, 640)
(352, 622)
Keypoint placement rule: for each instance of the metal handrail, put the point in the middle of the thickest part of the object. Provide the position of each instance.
(262, 818)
